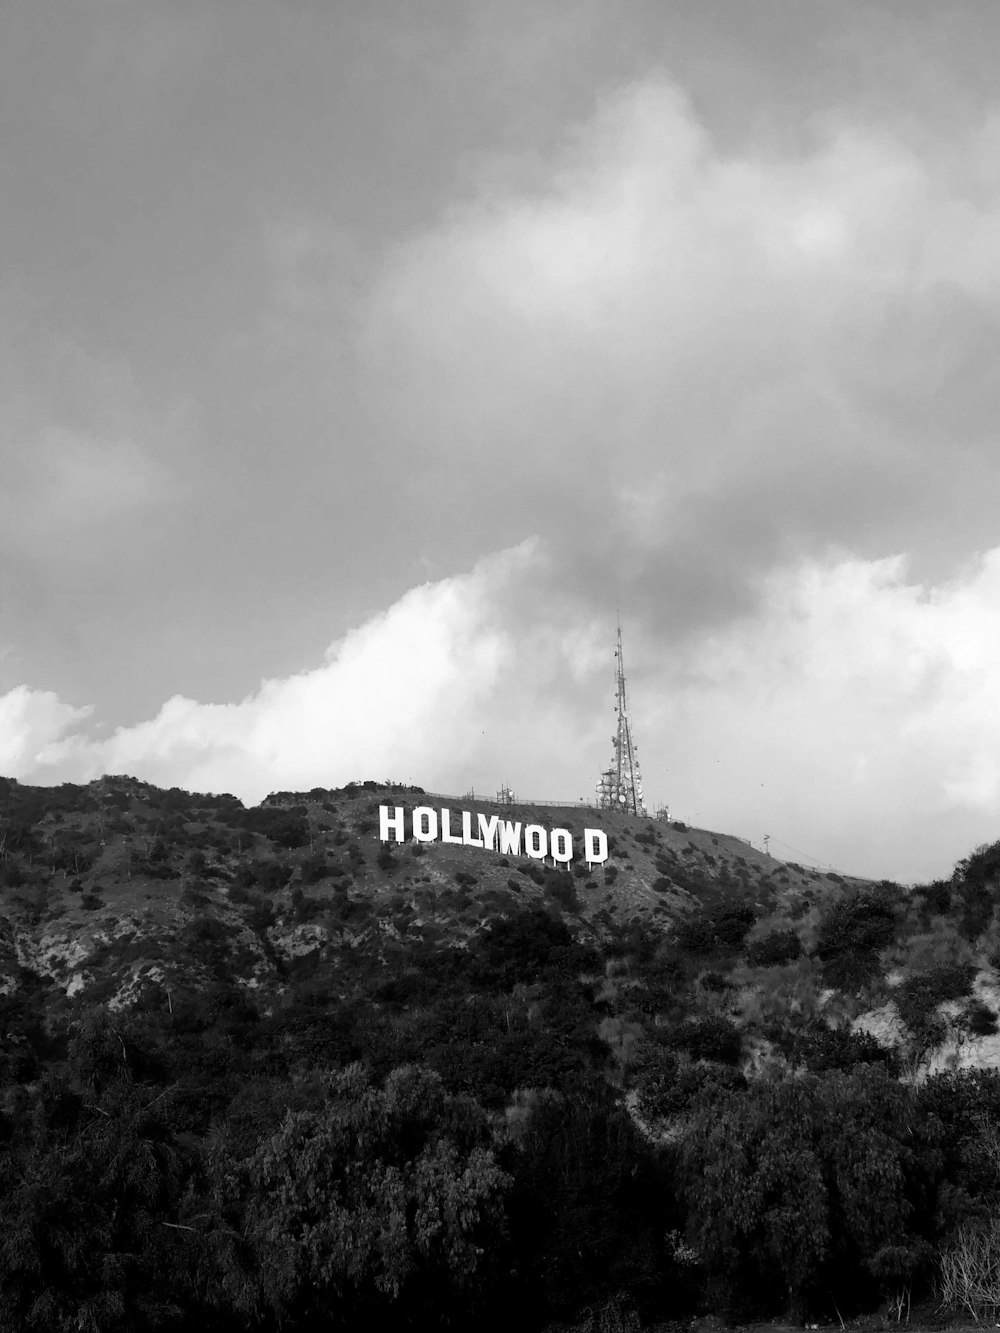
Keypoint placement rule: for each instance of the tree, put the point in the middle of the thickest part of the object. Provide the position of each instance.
(815, 1181)
(87, 1194)
(379, 1194)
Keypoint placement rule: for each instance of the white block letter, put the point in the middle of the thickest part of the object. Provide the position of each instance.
(446, 833)
(510, 838)
(488, 830)
(595, 846)
(467, 837)
(425, 824)
(561, 845)
(536, 841)
(395, 822)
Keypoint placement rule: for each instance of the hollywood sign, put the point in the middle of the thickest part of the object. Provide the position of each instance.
(492, 833)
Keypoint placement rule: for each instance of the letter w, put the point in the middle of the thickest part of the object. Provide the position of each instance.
(510, 838)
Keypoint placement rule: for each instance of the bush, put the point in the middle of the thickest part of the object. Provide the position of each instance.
(723, 927)
(824, 1048)
(780, 946)
(918, 997)
(934, 898)
(560, 889)
(313, 868)
(714, 981)
(711, 1038)
(666, 1087)
(270, 875)
(979, 1019)
(851, 935)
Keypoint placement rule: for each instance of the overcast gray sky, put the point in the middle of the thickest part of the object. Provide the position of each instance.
(360, 362)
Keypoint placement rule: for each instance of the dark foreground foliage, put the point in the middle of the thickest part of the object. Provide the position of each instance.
(219, 1168)
(507, 1120)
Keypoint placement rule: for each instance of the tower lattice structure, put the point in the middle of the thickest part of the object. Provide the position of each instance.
(620, 786)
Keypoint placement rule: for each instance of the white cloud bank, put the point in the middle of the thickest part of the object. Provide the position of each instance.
(855, 717)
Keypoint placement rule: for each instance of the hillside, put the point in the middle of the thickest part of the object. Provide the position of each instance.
(109, 887)
(533, 1057)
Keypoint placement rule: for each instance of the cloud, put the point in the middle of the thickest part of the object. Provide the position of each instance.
(853, 717)
(688, 366)
(30, 722)
(75, 480)
(409, 693)
(748, 395)
(78, 449)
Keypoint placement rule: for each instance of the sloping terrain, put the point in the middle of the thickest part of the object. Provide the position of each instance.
(273, 1071)
(116, 884)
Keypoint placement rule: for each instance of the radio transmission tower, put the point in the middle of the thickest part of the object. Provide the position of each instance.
(620, 787)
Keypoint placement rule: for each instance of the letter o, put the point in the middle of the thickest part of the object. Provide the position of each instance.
(536, 842)
(561, 845)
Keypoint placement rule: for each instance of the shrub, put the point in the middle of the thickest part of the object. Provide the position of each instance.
(666, 1087)
(195, 894)
(823, 1049)
(918, 997)
(935, 898)
(710, 1038)
(850, 936)
(979, 1019)
(696, 936)
(780, 946)
(313, 868)
(723, 927)
(270, 875)
(714, 981)
(560, 889)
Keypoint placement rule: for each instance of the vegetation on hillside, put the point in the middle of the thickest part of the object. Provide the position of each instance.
(260, 1070)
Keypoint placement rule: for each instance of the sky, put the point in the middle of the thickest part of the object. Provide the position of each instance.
(360, 364)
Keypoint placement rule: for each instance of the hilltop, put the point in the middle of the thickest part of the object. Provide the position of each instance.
(117, 880)
(117, 892)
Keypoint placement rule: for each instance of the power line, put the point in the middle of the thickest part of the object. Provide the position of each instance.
(813, 859)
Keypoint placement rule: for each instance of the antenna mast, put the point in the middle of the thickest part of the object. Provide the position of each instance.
(620, 787)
